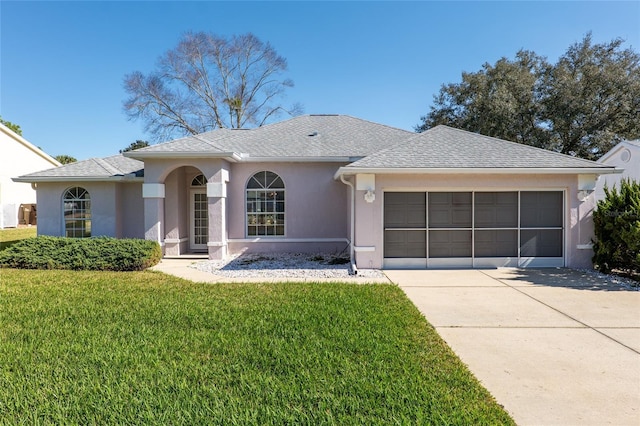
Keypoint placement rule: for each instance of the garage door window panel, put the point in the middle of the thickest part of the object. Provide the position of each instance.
(496, 243)
(496, 210)
(405, 244)
(449, 210)
(445, 244)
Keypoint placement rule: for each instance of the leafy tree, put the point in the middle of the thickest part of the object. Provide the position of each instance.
(592, 98)
(582, 105)
(617, 229)
(501, 100)
(12, 126)
(65, 159)
(135, 145)
(207, 82)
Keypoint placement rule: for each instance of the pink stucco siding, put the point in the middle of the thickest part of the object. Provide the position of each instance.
(116, 208)
(316, 207)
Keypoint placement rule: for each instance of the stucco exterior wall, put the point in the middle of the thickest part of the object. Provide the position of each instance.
(316, 208)
(116, 209)
(17, 159)
(578, 226)
(130, 211)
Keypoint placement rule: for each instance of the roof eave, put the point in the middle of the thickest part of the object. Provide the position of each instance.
(29, 145)
(310, 159)
(477, 170)
(231, 156)
(37, 179)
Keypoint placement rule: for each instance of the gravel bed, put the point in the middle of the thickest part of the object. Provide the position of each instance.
(285, 265)
(610, 279)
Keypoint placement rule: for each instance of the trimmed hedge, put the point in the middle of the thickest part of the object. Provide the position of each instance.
(91, 254)
(617, 229)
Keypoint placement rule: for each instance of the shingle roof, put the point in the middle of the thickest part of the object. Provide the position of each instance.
(94, 168)
(300, 137)
(444, 147)
(336, 137)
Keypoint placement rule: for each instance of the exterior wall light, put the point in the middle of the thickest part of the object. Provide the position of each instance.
(369, 196)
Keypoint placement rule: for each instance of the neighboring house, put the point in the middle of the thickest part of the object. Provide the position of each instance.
(19, 157)
(625, 155)
(332, 183)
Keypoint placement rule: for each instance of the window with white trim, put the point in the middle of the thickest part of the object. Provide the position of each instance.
(265, 205)
(76, 207)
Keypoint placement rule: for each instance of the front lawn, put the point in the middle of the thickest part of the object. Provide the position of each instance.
(10, 236)
(148, 348)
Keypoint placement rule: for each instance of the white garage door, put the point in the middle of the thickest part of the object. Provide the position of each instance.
(473, 229)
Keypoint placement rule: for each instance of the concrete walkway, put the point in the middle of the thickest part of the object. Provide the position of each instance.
(554, 346)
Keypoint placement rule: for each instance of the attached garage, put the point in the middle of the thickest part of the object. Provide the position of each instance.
(473, 228)
(448, 198)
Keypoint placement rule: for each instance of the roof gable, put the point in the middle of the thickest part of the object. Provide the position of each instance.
(633, 145)
(307, 136)
(22, 141)
(443, 147)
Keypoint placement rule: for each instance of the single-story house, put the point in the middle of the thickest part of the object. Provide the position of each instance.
(335, 183)
(625, 155)
(18, 199)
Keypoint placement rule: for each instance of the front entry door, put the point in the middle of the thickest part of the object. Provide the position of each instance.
(199, 220)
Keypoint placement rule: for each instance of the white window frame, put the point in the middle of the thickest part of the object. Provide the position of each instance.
(79, 207)
(274, 219)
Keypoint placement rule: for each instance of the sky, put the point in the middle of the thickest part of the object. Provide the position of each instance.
(62, 64)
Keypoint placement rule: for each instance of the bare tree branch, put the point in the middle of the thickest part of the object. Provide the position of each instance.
(207, 82)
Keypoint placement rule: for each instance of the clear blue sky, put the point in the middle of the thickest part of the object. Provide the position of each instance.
(63, 63)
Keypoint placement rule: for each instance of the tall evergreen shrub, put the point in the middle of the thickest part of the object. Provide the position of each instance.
(617, 229)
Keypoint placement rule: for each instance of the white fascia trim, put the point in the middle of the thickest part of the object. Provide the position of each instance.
(479, 170)
(359, 249)
(13, 135)
(248, 159)
(287, 240)
(125, 178)
(231, 156)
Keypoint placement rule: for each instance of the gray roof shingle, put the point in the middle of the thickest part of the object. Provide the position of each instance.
(443, 147)
(339, 137)
(305, 136)
(94, 168)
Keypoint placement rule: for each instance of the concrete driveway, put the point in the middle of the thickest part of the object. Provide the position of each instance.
(554, 346)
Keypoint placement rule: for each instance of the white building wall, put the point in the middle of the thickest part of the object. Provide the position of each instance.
(625, 155)
(18, 157)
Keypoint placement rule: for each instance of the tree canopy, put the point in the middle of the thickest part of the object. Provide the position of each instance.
(16, 129)
(65, 159)
(582, 105)
(135, 145)
(209, 81)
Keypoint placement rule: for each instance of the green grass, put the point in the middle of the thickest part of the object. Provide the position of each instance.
(11, 236)
(147, 348)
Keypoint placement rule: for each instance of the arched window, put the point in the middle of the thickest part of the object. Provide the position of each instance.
(76, 206)
(265, 205)
(199, 180)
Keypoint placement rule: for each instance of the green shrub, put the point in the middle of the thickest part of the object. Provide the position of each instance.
(95, 254)
(617, 229)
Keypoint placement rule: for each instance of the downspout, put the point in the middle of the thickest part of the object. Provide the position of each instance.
(354, 270)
